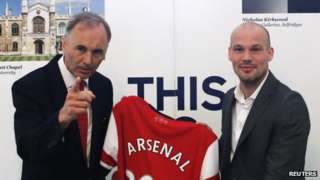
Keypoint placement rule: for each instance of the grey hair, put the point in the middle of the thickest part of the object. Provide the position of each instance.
(89, 19)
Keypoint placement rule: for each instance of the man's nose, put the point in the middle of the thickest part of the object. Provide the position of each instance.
(87, 57)
(246, 57)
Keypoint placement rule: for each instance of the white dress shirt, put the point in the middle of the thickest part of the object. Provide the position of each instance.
(240, 113)
(69, 81)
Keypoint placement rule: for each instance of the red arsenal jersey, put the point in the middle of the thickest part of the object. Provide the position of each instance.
(143, 144)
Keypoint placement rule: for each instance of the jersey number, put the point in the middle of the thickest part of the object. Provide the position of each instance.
(129, 175)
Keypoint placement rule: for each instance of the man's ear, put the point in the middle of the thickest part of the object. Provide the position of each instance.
(229, 53)
(270, 52)
(63, 42)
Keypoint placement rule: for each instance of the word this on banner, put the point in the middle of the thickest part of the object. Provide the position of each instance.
(179, 91)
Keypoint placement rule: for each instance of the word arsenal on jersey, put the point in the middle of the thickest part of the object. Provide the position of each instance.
(143, 144)
(158, 147)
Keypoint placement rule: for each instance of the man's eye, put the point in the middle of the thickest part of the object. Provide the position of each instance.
(98, 54)
(238, 49)
(81, 49)
(256, 49)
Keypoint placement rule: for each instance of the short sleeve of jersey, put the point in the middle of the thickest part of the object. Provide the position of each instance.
(109, 156)
(210, 165)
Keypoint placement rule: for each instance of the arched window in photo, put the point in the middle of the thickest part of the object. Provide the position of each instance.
(15, 29)
(39, 46)
(15, 46)
(38, 25)
(61, 28)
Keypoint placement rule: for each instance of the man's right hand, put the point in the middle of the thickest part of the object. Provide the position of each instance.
(76, 102)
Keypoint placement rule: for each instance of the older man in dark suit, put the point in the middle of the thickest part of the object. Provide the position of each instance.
(63, 108)
(265, 124)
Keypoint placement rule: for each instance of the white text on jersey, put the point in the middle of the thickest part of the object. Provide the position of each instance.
(157, 147)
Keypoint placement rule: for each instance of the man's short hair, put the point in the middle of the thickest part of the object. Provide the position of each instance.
(90, 19)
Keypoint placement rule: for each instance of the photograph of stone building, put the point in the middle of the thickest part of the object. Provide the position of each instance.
(37, 30)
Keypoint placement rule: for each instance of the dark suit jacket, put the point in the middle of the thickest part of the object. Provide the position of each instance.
(49, 152)
(274, 138)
